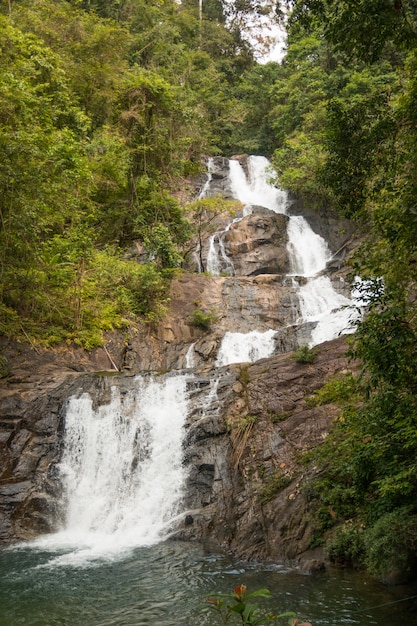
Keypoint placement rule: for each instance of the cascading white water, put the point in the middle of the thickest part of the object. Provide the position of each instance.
(332, 312)
(217, 259)
(254, 189)
(245, 347)
(308, 251)
(122, 469)
(206, 185)
(309, 254)
(257, 188)
(189, 360)
(213, 263)
(211, 401)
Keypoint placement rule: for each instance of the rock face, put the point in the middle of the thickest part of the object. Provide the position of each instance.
(258, 243)
(30, 441)
(245, 482)
(241, 450)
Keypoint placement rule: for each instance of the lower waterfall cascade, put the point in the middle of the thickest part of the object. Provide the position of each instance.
(122, 469)
(245, 347)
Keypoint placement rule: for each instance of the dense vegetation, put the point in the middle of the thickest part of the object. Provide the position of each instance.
(106, 106)
(346, 131)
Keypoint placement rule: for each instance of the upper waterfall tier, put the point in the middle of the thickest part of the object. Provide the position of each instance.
(265, 239)
(256, 187)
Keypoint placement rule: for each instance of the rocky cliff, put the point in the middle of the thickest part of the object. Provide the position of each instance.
(245, 482)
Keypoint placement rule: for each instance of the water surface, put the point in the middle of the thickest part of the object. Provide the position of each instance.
(165, 585)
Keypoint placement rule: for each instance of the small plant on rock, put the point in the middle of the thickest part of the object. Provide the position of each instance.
(305, 354)
(273, 484)
(203, 319)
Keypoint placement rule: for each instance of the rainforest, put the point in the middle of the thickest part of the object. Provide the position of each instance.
(109, 111)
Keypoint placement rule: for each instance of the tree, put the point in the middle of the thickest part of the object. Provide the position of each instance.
(360, 28)
(43, 156)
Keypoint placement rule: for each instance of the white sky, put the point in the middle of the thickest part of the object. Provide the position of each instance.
(266, 36)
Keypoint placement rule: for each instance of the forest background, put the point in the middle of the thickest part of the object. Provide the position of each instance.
(107, 107)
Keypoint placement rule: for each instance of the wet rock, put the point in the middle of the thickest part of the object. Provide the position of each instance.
(257, 244)
(220, 184)
(312, 566)
(30, 448)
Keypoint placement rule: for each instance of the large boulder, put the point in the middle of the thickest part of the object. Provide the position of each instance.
(257, 244)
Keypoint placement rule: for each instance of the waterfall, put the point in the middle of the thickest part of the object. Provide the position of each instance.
(206, 186)
(190, 360)
(332, 312)
(122, 468)
(217, 260)
(309, 253)
(245, 347)
(319, 301)
(257, 188)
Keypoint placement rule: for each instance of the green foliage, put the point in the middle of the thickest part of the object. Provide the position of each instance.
(299, 162)
(203, 319)
(340, 390)
(305, 355)
(75, 298)
(105, 107)
(237, 607)
(391, 545)
(160, 246)
(362, 28)
(272, 484)
(359, 122)
(244, 375)
(349, 78)
(279, 417)
(4, 369)
(347, 546)
(253, 131)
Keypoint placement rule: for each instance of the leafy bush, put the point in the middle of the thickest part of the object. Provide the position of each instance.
(305, 354)
(4, 369)
(391, 545)
(347, 545)
(236, 606)
(340, 390)
(75, 298)
(203, 319)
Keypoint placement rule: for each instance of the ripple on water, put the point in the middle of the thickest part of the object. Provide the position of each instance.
(165, 585)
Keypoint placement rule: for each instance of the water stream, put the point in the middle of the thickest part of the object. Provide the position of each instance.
(112, 564)
(165, 585)
(245, 347)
